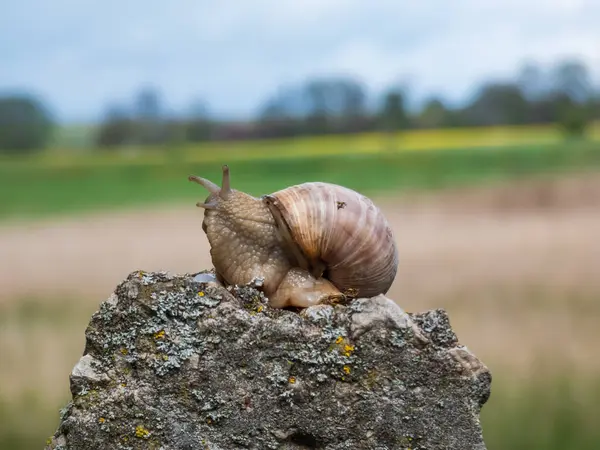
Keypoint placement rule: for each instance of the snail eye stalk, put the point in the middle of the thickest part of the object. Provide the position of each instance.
(209, 185)
(225, 184)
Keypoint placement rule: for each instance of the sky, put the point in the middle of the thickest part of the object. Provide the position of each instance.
(79, 56)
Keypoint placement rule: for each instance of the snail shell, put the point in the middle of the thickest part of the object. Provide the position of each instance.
(339, 234)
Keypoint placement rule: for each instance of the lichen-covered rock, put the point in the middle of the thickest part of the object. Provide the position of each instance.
(171, 362)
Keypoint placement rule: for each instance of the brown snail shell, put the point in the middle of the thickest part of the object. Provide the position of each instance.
(339, 234)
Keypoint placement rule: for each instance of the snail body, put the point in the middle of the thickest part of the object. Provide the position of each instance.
(310, 243)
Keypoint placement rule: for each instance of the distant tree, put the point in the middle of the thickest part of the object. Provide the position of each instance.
(594, 106)
(572, 78)
(25, 124)
(498, 104)
(198, 130)
(339, 104)
(353, 100)
(175, 132)
(151, 126)
(393, 115)
(320, 107)
(571, 116)
(334, 104)
(117, 129)
(573, 120)
(144, 125)
(198, 127)
(573, 92)
(148, 104)
(352, 97)
(434, 114)
(317, 106)
(275, 121)
(532, 82)
(543, 110)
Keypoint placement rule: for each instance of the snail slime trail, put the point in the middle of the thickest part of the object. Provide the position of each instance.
(311, 243)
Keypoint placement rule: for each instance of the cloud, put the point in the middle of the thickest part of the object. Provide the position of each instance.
(234, 54)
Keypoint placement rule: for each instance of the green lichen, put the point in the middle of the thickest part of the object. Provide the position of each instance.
(142, 432)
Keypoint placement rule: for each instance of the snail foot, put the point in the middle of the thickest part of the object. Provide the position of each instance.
(300, 289)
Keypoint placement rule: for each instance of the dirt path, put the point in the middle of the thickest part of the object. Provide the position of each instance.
(510, 273)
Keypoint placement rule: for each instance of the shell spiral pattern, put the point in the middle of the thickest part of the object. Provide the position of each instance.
(343, 232)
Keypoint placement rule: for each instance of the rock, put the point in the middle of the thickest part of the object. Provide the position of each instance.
(174, 362)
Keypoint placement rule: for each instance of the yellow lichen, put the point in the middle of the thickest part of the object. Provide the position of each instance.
(124, 351)
(141, 432)
(347, 369)
(339, 340)
(260, 308)
(101, 420)
(159, 335)
(292, 380)
(123, 384)
(348, 349)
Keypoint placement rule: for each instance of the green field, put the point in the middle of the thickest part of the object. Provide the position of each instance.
(40, 187)
(545, 414)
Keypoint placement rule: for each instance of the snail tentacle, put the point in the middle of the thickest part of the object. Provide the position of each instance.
(206, 205)
(225, 184)
(209, 185)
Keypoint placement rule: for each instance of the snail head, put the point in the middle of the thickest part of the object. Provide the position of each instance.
(217, 194)
(238, 226)
(230, 212)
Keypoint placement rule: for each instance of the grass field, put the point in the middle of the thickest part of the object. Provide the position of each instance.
(43, 186)
(513, 258)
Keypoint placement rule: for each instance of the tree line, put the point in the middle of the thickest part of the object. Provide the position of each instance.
(328, 105)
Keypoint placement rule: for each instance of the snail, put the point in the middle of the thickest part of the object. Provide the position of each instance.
(311, 243)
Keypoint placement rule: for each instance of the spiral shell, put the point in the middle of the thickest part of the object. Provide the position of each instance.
(339, 234)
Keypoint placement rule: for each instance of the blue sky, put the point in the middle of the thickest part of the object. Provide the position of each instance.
(79, 55)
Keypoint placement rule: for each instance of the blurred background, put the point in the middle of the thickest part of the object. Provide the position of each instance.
(474, 125)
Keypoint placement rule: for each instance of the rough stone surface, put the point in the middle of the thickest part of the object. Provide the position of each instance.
(171, 362)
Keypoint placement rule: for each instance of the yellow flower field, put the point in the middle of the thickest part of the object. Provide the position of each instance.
(359, 144)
